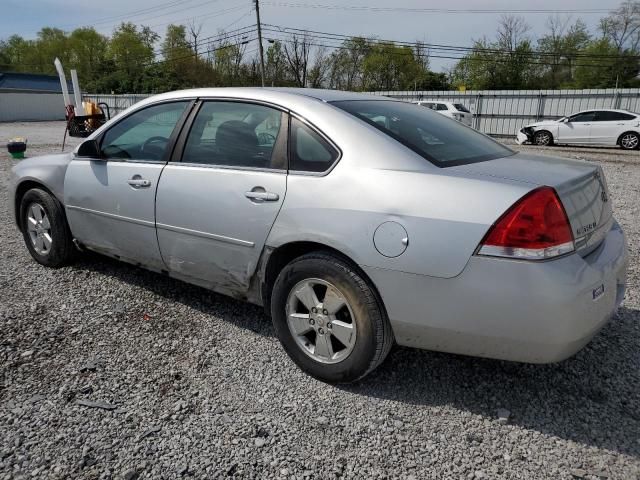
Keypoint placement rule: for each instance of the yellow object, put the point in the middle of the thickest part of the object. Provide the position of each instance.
(90, 108)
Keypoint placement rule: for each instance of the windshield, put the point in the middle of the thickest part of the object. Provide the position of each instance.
(439, 139)
(461, 108)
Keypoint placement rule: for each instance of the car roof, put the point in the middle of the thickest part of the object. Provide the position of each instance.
(603, 110)
(327, 95)
(274, 93)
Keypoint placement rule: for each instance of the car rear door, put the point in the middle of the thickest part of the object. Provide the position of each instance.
(577, 129)
(608, 126)
(221, 192)
(110, 200)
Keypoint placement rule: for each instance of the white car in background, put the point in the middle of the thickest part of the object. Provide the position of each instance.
(590, 127)
(457, 111)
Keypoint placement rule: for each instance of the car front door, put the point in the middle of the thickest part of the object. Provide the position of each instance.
(110, 198)
(577, 128)
(219, 196)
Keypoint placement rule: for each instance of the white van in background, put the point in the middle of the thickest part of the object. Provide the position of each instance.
(457, 111)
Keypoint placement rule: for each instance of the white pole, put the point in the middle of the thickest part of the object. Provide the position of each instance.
(63, 82)
(76, 92)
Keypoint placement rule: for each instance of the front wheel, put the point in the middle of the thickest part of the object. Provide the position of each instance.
(629, 141)
(44, 228)
(329, 319)
(543, 138)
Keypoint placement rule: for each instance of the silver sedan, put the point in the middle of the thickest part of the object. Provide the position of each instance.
(356, 221)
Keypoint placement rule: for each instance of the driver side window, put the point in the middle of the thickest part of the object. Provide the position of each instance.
(582, 117)
(143, 135)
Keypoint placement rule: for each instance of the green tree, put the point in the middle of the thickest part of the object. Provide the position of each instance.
(87, 54)
(559, 48)
(388, 66)
(509, 62)
(130, 50)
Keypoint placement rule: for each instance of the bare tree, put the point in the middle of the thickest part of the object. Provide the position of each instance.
(622, 26)
(194, 33)
(512, 31)
(296, 52)
(320, 68)
(421, 53)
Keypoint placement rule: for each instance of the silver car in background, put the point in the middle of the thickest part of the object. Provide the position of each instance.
(356, 221)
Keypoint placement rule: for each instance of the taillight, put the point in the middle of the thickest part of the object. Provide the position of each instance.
(536, 227)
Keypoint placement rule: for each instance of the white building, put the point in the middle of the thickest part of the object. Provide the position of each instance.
(30, 97)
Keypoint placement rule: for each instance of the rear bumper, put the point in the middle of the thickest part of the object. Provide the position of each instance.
(537, 312)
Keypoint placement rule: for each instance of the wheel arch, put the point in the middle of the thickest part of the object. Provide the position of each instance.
(277, 258)
(21, 189)
(619, 141)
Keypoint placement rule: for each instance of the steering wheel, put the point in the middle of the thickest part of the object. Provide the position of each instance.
(265, 138)
(150, 146)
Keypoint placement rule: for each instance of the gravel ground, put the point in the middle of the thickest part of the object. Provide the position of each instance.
(109, 371)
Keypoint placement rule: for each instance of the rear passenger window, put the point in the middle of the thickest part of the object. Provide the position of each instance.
(309, 152)
(608, 116)
(442, 106)
(237, 135)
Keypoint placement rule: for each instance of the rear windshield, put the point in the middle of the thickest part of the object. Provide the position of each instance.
(439, 139)
(461, 108)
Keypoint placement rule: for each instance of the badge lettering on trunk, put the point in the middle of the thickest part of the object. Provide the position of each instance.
(603, 191)
(597, 292)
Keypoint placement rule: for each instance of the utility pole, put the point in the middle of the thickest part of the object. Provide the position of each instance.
(260, 41)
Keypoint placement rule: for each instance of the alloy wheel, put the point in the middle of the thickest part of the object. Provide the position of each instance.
(321, 320)
(629, 141)
(543, 138)
(39, 228)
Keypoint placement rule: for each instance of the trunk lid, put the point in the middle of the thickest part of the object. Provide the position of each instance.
(581, 186)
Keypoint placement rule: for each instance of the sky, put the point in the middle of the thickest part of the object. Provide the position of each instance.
(458, 28)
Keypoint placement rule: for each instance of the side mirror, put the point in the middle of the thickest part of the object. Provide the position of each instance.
(565, 120)
(90, 149)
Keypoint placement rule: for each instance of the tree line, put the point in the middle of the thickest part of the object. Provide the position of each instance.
(136, 59)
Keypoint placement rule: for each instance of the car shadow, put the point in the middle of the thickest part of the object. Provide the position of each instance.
(242, 314)
(592, 398)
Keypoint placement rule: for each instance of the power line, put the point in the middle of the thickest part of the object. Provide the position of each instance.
(220, 37)
(438, 47)
(367, 8)
(217, 13)
(132, 13)
(341, 46)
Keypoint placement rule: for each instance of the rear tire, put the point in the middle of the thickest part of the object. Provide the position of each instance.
(629, 141)
(329, 320)
(45, 230)
(543, 138)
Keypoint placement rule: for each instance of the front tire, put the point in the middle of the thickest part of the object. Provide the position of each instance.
(543, 138)
(629, 141)
(329, 319)
(45, 230)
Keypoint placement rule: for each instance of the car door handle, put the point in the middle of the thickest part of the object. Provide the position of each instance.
(264, 196)
(139, 182)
